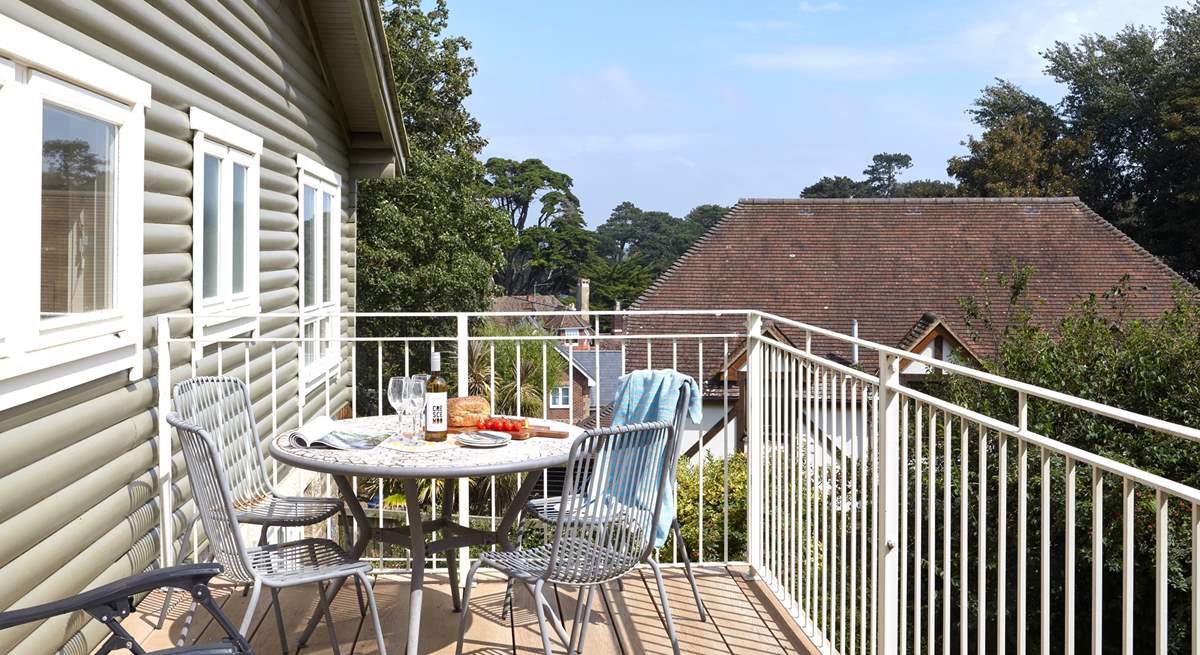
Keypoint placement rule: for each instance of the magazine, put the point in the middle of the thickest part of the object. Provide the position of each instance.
(323, 432)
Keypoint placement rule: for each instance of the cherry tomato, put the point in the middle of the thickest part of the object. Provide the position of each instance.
(481, 425)
(512, 426)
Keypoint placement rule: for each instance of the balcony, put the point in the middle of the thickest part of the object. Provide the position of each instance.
(874, 516)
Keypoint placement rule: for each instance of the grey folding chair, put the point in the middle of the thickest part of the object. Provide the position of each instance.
(545, 510)
(274, 566)
(221, 405)
(612, 497)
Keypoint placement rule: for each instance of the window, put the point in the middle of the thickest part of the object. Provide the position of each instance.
(73, 130)
(225, 173)
(560, 397)
(320, 272)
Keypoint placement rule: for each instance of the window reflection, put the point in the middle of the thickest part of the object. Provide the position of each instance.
(78, 213)
(239, 228)
(310, 245)
(212, 225)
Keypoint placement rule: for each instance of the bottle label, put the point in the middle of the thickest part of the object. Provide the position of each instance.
(435, 412)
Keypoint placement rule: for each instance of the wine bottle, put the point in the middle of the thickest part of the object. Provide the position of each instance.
(435, 401)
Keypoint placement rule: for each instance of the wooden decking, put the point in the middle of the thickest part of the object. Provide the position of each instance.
(744, 619)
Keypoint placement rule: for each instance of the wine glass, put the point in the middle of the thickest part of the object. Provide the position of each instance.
(397, 387)
(414, 405)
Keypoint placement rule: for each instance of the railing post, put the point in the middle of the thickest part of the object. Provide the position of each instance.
(754, 437)
(463, 376)
(887, 532)
(166, 513)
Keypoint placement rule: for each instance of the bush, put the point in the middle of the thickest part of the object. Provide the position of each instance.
(714, 507)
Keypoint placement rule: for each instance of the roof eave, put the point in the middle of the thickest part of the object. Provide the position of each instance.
(384, 81)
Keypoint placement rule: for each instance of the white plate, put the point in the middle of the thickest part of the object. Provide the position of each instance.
(483, 439)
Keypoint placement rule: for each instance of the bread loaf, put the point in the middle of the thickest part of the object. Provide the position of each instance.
(467, 411)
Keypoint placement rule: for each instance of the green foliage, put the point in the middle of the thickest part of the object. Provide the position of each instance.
(881, 174)
(613, 281)
(881, 181)
(1025, 149)
(497, 361)
(706, 216)
(715, 485)
(1125, 137)
(658, 238)
(1095, 352)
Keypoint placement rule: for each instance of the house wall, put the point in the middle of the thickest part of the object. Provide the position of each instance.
(77, 468)
(581, 399)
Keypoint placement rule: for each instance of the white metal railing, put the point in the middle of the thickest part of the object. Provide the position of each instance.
(841, 456)
(884, 518)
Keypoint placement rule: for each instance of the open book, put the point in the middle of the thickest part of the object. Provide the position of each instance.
(323, 432)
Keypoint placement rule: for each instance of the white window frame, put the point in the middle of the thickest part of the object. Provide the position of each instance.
(227, 314)
(40, 357)
(556, 401)
(325, 315)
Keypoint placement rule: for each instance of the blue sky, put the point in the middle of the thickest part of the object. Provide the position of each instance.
(674, 104)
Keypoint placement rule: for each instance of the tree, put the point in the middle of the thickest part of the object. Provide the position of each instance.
(1145, 365)
(1135, 98)
(658, 238)
(925, 189)
(68, 163)
(706, 216)
(514, 185)
(838, 186)
(1025, 149)
(429, 240)
(617, 281)
(884, 169)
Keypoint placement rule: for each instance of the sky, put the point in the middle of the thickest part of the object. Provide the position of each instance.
(674, 104)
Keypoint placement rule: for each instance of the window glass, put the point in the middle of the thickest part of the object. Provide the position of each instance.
(560, 396)
(310, 245)
(327, 246)
(78, 246)
(239, 228)
(212, 225)
(310, 347)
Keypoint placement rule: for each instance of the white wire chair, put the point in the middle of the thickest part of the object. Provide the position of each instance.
(612, 498)
(545, 510)
(274, 566)
(221, 405)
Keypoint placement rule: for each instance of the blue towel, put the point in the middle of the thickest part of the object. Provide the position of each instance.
(646, 396)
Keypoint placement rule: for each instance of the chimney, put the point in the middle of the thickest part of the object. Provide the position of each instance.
(618, 322)
(585, 290)
(854, 348)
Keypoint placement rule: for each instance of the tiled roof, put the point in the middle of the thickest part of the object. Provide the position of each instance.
(886, 263)
(537, 303)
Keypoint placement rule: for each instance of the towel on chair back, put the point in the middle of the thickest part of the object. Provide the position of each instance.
(647, 396)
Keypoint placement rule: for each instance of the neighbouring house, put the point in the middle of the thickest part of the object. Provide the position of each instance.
(571, 327)
(892, 271)
(159, 158)
(592, 387)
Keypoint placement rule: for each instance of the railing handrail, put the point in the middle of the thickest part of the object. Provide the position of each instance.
(1032, 390)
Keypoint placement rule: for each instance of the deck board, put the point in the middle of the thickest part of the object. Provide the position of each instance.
(744, 619)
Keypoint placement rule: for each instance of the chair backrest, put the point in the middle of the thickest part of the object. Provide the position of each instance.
(210, 492)
(221, 407)
(611, 500)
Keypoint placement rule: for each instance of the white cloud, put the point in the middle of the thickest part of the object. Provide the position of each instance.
(1013, 46)
(820, 7)
(829, 59)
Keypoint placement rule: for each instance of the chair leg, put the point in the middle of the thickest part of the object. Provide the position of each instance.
(508, 589)
(466, 606)
(370, 593)
(328, 619)
(362, 604)
(162, 614)
(687, 569)
(251, 607)
(666, 608)
(283, 644)
(583, 614)
(541, 605)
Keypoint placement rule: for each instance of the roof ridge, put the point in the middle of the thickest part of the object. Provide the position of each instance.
(679, 261)
(957, 200)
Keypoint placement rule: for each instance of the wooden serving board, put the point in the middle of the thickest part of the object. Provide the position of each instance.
(530, 431)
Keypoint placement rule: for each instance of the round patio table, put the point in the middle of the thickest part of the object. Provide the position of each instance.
(453, 462)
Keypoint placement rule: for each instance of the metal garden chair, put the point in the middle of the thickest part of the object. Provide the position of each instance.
(545, 510)
(112, 602)
(221, 405)
(612, 497)
(274, 566)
